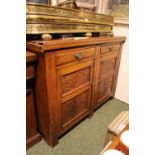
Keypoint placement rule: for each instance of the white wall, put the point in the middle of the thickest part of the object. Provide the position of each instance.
(121, 29)
(122, 89)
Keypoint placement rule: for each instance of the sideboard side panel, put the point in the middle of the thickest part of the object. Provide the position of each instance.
(41, 99)
(53, 106)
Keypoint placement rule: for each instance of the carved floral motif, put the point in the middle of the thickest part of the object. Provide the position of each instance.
(75, 79)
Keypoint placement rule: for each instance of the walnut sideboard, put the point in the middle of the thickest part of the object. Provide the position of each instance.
(74, 77)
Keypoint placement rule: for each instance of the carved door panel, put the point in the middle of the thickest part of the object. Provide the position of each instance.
(107, 71)
(74, 82)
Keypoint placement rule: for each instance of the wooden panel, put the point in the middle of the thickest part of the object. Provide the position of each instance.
(47, 107)
(107, 67)
(76, 54)
(33, 140)
(75, 92)
(53, 106)
(75, 79)
(30, 115)
(30, 56)
(30, 71)
(32, 135)
(110, 48)
(30, 62)
(72, 77)
(74, 108)
(41, 98)
(105, 88)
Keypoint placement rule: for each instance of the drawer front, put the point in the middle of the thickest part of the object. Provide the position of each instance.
(32, 134)
(110, 48)
(75, 54)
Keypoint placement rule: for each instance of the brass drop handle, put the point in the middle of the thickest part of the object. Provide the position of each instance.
(79, 56)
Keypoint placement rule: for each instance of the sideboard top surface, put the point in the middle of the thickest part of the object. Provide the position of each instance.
(30, 56)
(43, 46)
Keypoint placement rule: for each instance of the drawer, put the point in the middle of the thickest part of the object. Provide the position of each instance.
(110, 48)
(74, 55)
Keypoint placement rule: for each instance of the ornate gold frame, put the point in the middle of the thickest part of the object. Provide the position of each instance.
(42, 19)
(49, 2)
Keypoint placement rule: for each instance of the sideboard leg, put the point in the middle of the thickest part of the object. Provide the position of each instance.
(51, 141)
(55, 142)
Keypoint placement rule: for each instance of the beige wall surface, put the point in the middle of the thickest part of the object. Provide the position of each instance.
(122, 89)
(120, 29)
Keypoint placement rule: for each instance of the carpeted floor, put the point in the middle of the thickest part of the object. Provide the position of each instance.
(86, 138)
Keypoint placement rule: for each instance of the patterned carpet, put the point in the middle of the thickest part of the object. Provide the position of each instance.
(87, 137)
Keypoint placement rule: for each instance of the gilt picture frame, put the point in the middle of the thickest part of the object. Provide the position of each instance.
(90, 4)
(118, 8)
(46, 2)
(60, 1)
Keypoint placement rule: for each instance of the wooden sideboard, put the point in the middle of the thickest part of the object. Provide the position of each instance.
(74, 77)
(32, 135)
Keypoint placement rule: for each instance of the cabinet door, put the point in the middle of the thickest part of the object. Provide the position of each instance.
(74, 82)
(107, 72)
